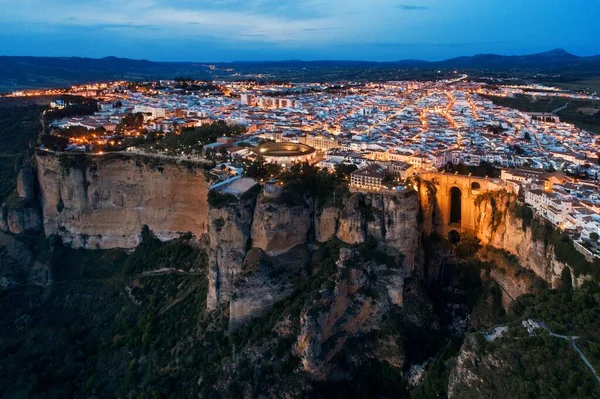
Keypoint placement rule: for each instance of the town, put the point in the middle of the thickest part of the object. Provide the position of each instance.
(378, 134)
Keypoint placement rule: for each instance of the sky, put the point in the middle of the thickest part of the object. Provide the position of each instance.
(252, 30)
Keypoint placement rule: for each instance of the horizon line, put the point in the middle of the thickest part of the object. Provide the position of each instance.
(300, 60)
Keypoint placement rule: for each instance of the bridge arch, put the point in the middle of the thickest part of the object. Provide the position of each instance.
(454, 200)
(455, 205)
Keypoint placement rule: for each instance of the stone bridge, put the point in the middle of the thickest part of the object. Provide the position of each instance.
(454, 209)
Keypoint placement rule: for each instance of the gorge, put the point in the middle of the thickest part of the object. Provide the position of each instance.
(301, 293)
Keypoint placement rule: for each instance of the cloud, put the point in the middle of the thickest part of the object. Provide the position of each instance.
(318, 29)
(409, 7)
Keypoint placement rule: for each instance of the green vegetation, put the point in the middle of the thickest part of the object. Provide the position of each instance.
(484, 169)
(574, 113)
(526, 368)
(528, 364)
(562, 243)
(192, 140)
(218, 200)
(467, 246)
(152, 251)
(76, 106)
(259, 169)
(523, 212)
(565, 311)
(343, 171)
(103, 329)
(304, 181)
(19, 126)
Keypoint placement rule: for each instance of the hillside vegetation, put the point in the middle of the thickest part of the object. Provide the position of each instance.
(19, 126)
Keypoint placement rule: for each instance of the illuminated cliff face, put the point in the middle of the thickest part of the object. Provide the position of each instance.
(486, 214)
(103, 202)
(451, 202)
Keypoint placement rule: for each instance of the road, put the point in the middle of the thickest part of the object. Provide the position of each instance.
(561, 108)
(572, 338)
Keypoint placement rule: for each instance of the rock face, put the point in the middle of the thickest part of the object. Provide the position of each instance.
(25, 183)
(461, 374)
(352, 223)
(21, 217)
(276, 228)
(496, 226)
(229, 237)
(390, 218)
(512, 279)
(355, 306)
(103, 202)
(18, 264)
(21, 213)
(263, 281)
(327, 224)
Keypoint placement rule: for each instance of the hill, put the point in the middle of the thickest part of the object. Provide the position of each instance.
(39, 72)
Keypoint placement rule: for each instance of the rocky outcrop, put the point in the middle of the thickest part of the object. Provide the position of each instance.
(498, 227)
(21, 213)
(512, 279)
(100, 202)
(461, 375)
(356, 305)
(277, 228)
(26, 183)
(352, 222)
(229, 239)
(327, 224)
(263, 281)
(103, 202)
(391, 218)
(18, 264)
(21, 216)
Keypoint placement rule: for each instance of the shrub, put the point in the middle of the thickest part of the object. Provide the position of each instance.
(219, 200)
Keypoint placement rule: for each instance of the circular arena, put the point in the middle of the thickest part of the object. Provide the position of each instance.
(285, 153)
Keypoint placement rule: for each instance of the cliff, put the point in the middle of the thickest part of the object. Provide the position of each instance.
(251, 240)
(20, 212)
(277, 228)
(229, 239)
(103, 202)
(354, 305)
(391, 218)
(264, 280)
(497, 226)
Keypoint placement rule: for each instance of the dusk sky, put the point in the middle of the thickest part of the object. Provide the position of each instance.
(228, 30)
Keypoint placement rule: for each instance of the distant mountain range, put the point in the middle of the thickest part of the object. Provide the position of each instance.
(33, 72)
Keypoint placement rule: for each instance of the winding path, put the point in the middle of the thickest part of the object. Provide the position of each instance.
(572, 338)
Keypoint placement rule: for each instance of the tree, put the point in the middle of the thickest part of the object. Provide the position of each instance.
(133, 121)
(469, 244)
(343, 171)
(53, 142)
(594, 236)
